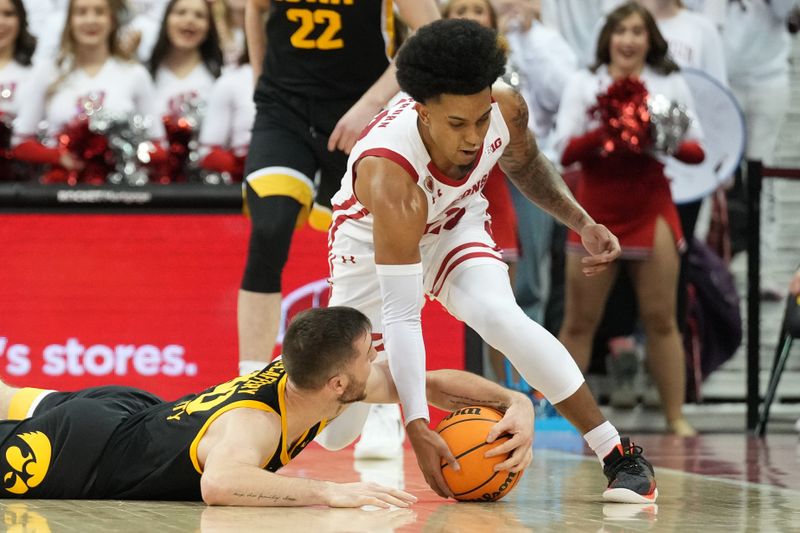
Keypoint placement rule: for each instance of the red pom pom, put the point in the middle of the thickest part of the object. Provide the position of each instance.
(624, 116)
(179, 134)
(90, 148)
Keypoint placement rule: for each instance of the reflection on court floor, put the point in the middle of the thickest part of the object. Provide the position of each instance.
(559, 492)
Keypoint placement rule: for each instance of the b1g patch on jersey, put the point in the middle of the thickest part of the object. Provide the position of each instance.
(428, 182)
(495, 146)
(26, 462)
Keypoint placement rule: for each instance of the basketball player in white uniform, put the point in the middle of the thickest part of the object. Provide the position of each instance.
(410, 220)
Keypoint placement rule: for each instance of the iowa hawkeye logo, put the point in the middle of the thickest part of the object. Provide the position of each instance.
(27, 462)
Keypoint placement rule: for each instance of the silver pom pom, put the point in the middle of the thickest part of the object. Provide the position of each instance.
(127, 136)
(669, 123)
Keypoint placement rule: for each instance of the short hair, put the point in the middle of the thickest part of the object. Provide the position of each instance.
(319, 342)
(450, 56)
(658, 50)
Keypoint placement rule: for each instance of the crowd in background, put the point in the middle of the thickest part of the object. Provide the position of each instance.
(181, 67)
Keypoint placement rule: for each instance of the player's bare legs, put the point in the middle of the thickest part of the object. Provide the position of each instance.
(584, 301)
(258, 318)
(655, 282)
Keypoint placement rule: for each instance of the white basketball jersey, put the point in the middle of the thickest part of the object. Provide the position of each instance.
(393, 134)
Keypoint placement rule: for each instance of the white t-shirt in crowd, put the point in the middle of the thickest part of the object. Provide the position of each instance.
(756, 41)
(545, 62)
(713, 10)
(119, 86)
(577, 20)
(694, 41)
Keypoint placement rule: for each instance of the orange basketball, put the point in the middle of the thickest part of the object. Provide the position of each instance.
(465, 432)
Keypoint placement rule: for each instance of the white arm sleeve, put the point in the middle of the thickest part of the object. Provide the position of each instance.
(402, 294)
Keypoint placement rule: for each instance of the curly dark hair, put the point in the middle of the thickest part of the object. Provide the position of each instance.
(450, 56)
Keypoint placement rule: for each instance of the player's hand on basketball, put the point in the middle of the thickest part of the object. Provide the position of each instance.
(431, 450)
(602, 245)
(350, 126)
(517, 423)
(359, 494)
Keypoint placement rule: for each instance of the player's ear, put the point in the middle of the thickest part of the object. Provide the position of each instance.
(423, 113)
(338, 384)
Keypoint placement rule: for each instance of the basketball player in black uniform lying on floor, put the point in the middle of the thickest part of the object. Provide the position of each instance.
(224, 444)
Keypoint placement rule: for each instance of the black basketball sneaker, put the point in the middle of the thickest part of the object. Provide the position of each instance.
(631, 478)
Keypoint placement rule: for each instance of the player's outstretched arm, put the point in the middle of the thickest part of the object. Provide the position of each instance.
(242, 440)
(535, 176)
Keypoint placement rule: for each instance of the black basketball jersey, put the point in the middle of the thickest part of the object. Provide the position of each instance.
(153, 455)
(327, 49)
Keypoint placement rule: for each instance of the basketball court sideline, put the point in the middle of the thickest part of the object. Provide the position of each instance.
(710, 483)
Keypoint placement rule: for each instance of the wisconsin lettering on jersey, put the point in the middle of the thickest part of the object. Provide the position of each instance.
(248, 384)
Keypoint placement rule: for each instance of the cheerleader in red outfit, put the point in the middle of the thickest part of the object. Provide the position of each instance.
(628, 192)
(91, 73)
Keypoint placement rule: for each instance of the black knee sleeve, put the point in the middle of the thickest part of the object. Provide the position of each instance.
(272, 223)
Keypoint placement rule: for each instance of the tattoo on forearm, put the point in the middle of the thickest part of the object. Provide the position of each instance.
(465, 401)
(261, 496)
(538, 180)
(533, 173)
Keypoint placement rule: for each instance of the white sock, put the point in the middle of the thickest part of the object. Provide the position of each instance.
(248, 366)
(602, 439)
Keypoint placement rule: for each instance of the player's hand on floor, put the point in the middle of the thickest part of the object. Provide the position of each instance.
(518, 424)
(359, 494)
(431, 450)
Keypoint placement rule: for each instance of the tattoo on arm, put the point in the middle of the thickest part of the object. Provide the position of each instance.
(465, 401)
(534, 175)
(259, 496)
(520, 119)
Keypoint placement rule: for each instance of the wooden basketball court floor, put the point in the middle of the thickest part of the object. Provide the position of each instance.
(721, 482)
